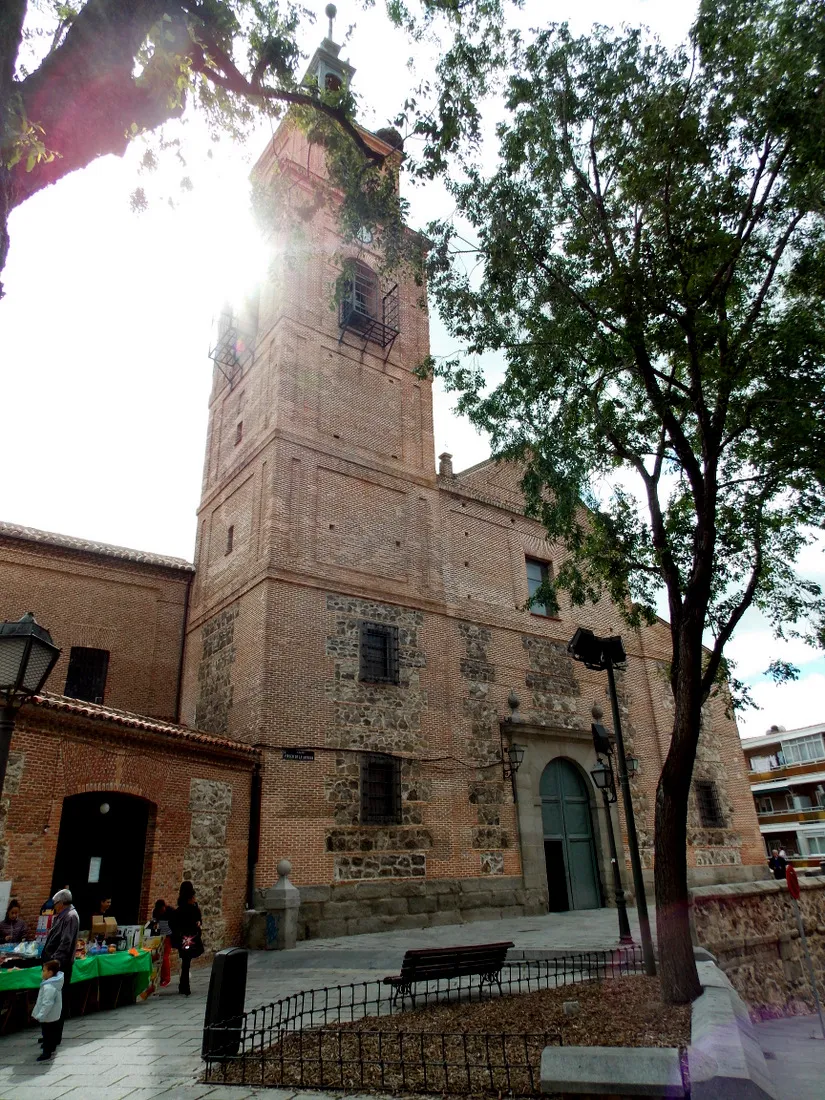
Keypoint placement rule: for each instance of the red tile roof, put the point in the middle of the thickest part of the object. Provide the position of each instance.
(86, 546)
(140, 722)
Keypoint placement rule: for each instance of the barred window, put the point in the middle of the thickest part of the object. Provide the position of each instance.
(380, 790)
(86, 677)
(707, 799)
(378, 653)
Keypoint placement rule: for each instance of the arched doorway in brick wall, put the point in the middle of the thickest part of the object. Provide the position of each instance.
(102, 851)
(569, 845)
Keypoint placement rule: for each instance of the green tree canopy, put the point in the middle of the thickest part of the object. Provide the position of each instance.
(649, 256)
(79, 80)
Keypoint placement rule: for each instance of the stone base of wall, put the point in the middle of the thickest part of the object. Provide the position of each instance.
(704, 876)
(751, 930)
(348, 909)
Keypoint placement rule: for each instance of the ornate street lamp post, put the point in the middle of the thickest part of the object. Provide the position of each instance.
(605, 781)
(602, 654)
(27, 656)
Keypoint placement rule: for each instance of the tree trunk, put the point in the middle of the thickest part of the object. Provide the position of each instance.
(677, 966)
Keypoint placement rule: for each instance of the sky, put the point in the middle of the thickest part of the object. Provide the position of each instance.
(104, 330)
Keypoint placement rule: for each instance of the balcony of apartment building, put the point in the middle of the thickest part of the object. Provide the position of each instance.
(787, 777)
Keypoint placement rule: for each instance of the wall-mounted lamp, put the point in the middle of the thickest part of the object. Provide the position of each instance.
(511, 759)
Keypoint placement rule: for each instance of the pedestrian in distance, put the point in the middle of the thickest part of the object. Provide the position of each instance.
(49, 1008)
(61, 944)
(186, 933)
(778, 864)
(160, 925)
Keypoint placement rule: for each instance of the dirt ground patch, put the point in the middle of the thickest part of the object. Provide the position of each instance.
(481, 1048)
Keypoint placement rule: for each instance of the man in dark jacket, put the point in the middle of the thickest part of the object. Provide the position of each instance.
(778, 864)
(60, 944)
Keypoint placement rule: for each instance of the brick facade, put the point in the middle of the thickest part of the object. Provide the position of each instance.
(321, 511)
(197, 790)
(129, 603)
(320, 457)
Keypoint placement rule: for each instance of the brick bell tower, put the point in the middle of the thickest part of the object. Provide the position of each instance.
(318, 508)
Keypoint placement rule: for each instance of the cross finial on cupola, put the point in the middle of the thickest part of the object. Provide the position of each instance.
(330, 11)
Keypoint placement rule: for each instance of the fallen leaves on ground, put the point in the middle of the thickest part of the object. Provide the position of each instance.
(483, 1047)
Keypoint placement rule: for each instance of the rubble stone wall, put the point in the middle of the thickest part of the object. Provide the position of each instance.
(400, 902)
(751, 930)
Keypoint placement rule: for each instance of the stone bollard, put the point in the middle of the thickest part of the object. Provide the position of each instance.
(280, 904)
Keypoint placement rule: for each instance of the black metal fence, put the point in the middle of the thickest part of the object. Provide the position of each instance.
(313, 1039)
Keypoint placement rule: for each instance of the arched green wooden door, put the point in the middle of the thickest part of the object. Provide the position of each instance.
(569, 848)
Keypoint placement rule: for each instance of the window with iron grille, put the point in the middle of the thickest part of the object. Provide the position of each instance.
(707, 799)
(86, 678)
(378, 653)
(380, 790)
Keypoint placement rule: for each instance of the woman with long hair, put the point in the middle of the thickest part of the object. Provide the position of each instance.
(186, 932)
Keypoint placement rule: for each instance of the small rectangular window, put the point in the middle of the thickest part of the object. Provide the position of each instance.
(86, 678)
(764, 806)
(380, 790)
(538, 573)
(378, 653)
(707, 799)
(238, 432)
(230, 538)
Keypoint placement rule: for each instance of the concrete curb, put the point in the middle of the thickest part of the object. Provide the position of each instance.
(725, 1059)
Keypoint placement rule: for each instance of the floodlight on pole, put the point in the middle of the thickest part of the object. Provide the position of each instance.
(601, 654)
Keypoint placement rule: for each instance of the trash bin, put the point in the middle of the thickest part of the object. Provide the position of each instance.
(223, 1019)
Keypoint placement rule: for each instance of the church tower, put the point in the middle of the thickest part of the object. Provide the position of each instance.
(364, 620)
(318, 484)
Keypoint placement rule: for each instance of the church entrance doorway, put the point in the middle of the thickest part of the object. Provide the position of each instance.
(101, 851)
(569, 847)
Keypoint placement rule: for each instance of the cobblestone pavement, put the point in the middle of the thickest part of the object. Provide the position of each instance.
(153, 1048)
(795, 1051)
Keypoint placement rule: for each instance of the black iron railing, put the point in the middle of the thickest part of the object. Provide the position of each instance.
(312, 1039)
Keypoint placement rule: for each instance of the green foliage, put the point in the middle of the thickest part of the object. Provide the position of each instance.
(650, 258)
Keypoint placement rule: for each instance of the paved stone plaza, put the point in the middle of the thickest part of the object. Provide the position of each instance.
(153, 1049)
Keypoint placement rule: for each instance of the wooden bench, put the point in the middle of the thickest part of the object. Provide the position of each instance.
(431, 963)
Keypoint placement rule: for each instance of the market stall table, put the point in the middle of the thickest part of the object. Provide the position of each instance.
(88, 978)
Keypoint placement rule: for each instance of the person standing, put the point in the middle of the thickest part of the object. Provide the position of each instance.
(61, 944)
(49, 1008)
(160, 925)
(186, 933)
(778, 864)
(13, 929)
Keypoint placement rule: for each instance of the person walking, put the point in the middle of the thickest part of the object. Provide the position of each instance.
(49, 1008)
(61, 944)
(778, 864)
(186, 933)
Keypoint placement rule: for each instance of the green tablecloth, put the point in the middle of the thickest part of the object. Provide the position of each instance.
(84, 970)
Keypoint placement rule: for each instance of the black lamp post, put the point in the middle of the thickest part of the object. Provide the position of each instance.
(27, 656)
(605, 781)
(602, 654)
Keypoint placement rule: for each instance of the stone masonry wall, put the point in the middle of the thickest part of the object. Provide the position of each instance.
(751, 930)
(14, 771)
(487, 791)
(207, 858)
(353, 908)
(375, 718)
(215, 671)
